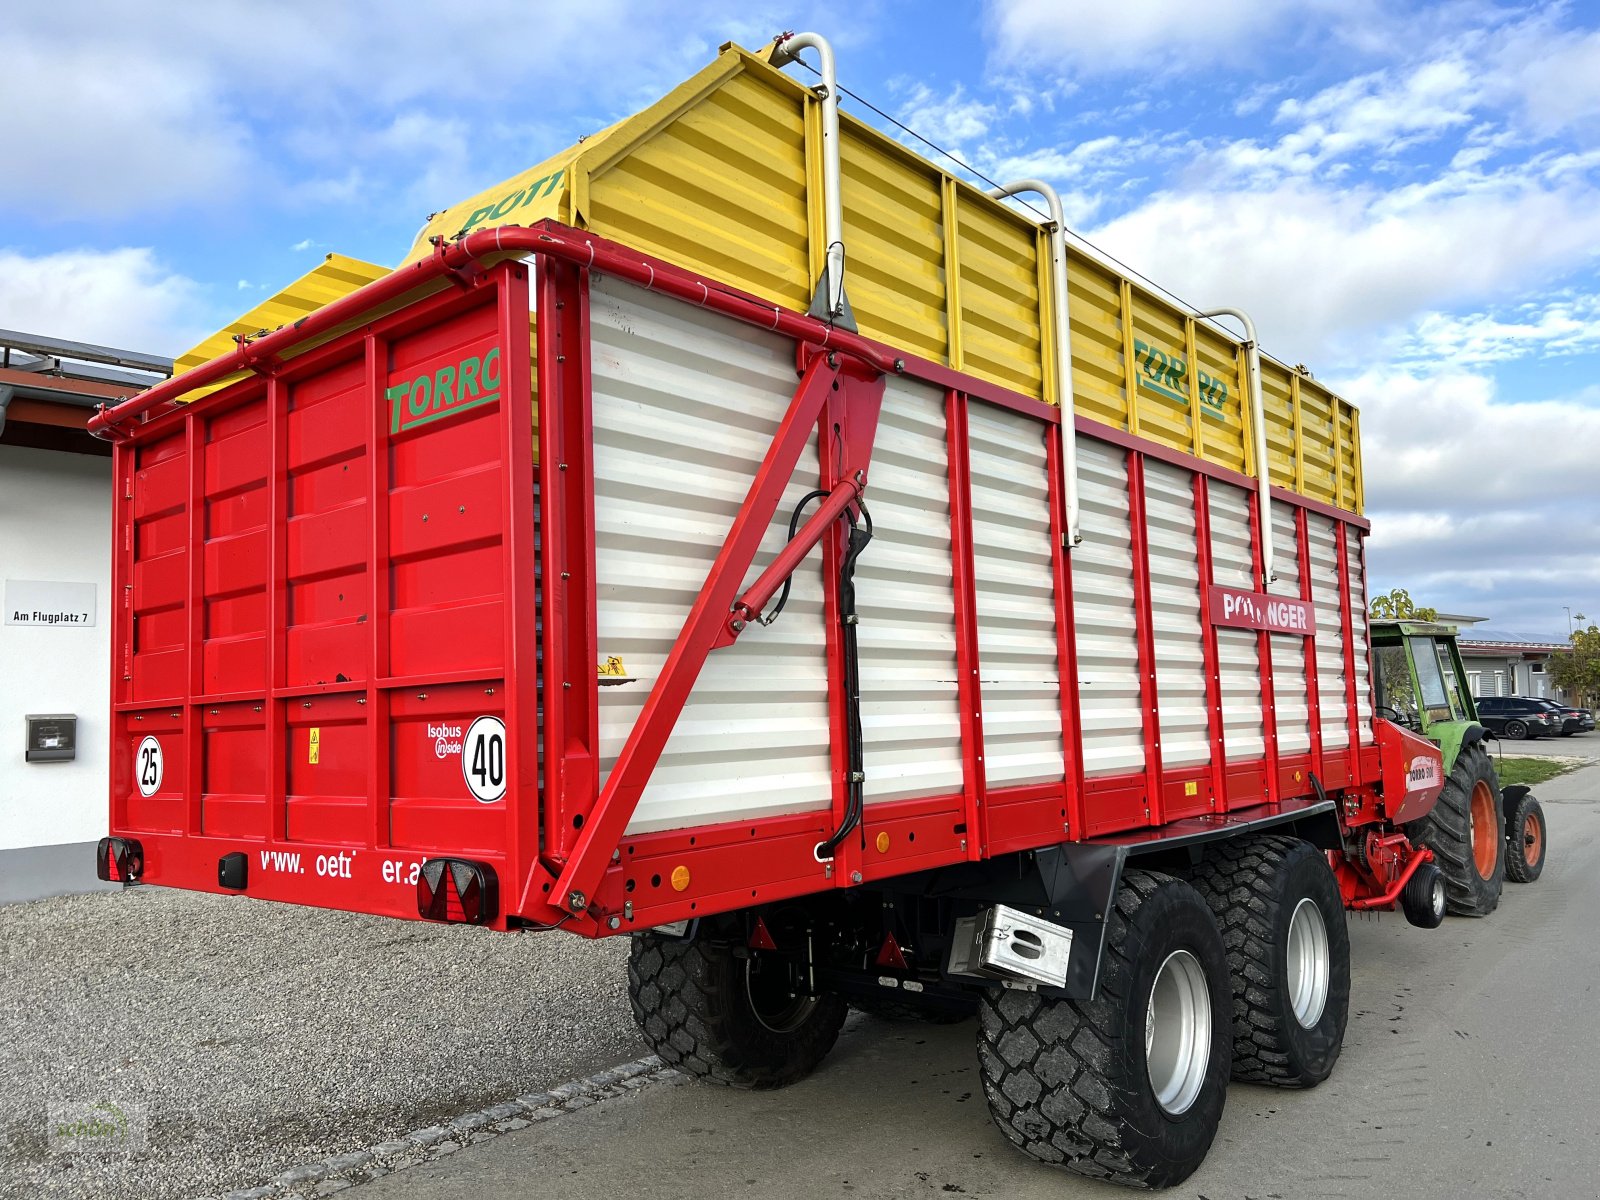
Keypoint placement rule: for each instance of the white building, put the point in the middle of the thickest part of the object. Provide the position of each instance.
(55, 582)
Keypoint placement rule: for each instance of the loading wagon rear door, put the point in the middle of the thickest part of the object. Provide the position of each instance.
(325, 574)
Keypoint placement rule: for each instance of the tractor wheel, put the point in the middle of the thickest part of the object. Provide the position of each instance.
(1525, 841)
(1127, 1087)
(1422, 899)
(1466, 832)
(736, 1020)
(1283, 926)
(1518, 730)
(903, 1008)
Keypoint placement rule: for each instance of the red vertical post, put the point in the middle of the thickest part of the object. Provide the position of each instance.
(122, 463)
(1208, 643)
(194, 622)
(1144, 622)
(521, 617)
(566, 498)
(273, 709)
(1066, 640)
(1269, 712)
(969, 687)
(1352, 717)
(380, 760)
(1302, 535)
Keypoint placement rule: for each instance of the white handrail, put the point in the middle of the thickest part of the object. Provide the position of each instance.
(1064, 393)
(786, 49)
(1258, 424)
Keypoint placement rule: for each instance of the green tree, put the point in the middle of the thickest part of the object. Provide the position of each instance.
(1577, 671)
(1398, 606)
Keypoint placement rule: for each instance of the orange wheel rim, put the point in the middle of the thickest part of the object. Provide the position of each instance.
(1485, 851)
(1532, 840)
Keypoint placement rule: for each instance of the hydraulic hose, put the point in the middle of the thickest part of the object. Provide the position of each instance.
(855, 751)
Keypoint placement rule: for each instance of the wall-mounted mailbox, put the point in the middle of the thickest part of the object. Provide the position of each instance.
(52, 737)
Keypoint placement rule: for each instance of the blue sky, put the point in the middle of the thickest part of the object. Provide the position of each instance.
(1406, 196)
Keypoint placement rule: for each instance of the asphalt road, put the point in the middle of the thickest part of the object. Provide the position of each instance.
(1471, 1068)
(1585, 746)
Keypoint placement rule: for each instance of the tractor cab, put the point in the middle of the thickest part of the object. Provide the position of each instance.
(1480, 833)
(1418, 679)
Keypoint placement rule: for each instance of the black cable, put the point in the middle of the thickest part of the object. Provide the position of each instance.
(855, 750)
(794, 525)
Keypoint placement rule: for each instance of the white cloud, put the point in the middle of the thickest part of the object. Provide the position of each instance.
(1378, 112)
(83, 138)
(1552, 74)
(125, 298)
(166, 103)
(1564, 325)
(1158, 36)
(1479, 504)
(1322, 268)
(950, 120)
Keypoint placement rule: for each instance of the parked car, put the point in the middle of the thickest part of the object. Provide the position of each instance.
(1573, 720)
(1517, 716)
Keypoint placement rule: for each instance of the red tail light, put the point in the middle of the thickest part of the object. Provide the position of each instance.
(119, 860)
(458, 891)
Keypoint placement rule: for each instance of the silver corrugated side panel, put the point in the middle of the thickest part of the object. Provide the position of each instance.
(1238, 651)
(1289, 697)
(1103, 616)
(1327, 595)
(1175, 614)
(905, 596)
(685, 405)
(1356, 555)
(1018, 663)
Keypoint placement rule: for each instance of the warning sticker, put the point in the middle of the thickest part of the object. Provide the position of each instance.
(315, 750)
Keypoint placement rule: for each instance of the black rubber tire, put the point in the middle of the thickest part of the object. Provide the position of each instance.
(692, 1001)
(1447, 831)
(1254, 886)
(900, 1008)
(1067, 1081)
(1519, 730)
(1423, 898)
(1519, 868)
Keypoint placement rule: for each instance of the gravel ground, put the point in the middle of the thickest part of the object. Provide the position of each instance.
(261, 1036)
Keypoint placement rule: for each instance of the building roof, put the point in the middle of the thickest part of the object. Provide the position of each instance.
(48, 386)
(1484, 648)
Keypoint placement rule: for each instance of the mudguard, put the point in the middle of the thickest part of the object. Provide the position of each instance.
(1413, 772)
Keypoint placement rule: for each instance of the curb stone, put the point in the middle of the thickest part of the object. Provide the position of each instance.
(310, 1181)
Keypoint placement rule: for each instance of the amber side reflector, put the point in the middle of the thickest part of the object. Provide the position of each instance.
(119, 860)
(457, 890)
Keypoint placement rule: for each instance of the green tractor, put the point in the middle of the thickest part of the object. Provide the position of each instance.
(1480, 833)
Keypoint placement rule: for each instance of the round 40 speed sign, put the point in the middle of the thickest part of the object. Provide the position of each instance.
(483, 759)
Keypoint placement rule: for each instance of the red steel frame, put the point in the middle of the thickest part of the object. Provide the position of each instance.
(576, 867)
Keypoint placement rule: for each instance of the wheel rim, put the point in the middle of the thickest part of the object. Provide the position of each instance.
(774, 999)
(1436, 895)
(1532, 840)
(1517, 729)
(1177, 1032)
(1309, 963)
(1480, 829)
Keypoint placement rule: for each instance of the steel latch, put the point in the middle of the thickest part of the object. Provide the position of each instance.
(1006, 943)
